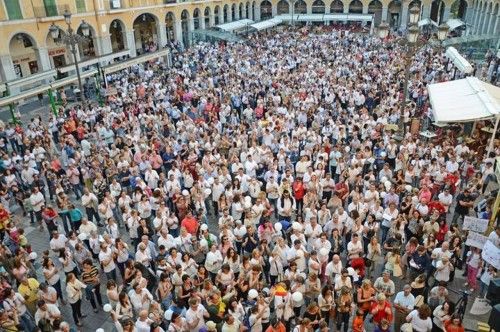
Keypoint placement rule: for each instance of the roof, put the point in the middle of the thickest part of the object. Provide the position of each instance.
(267, 24)
(464, 100)
(234, 25)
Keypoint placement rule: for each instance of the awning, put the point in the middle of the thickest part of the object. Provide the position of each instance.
(287, 17)
(134, 61)
(426, 21)
(464, 100)
(235, 25)
(311, 18)
(348, 17)
(267, 24)
(454, 23)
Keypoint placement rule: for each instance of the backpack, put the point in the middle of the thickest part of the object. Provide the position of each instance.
(246, 320)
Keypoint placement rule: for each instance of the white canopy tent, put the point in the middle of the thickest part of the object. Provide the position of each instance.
(454, 23)
(263, 25)
(234, 25)
(465, 100)
(426, 21)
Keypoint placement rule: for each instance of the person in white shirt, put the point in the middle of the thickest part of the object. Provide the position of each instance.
(89, 202)
(355, 247)
(143, 323)
(140, 297)
(446, 198)
(420, 319)
(74, 290)
(57, 242)
(195, 315)
(107, 261)
(37, 201)
(47, 311)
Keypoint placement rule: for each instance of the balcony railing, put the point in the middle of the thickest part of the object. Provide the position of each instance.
(48, 11)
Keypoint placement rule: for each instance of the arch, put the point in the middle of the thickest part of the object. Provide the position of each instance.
(318, 7)
(300, 7)
(356, 7)
(185, 26)
(87, 48)
(233, 12)
(337, 6)
(206, 16)
(145, 33)
(117, 35)
(241, 10)
(23, 50)
(437, 10)
(487, 19)
(459, 9)
(283, 7)
(249, 10)
(59, 55)
(266, 11)
(393, 12)
(196, 18)
(216, 15)
(254, 11)
(226, 13)
(170, 26)
(375, 8)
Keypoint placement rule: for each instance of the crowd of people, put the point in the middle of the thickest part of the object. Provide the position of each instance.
(255, 186)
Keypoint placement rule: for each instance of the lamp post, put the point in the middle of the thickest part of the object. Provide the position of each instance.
(71, 39)
(412, 45)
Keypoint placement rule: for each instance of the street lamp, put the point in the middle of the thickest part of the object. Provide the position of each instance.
(414, 15)
(413, 45)
(71, 40)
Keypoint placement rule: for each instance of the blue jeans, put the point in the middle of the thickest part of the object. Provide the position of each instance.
(27, 322)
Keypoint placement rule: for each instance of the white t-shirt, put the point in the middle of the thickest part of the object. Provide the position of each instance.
(418, 324)
(192, 315)
(107, 255)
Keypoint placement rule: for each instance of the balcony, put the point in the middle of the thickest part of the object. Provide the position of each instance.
(50, 11)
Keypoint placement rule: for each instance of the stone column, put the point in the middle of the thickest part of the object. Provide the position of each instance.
(221, 16)
(106, 46)
(256, 12)
(365, 8)
(385, 12)
(474, 21)
(236, 13)
(211, 20)
(309, 8)
(274, 9)
(426, 10)
(496, 28)
(201, 21)
(446, 13)
(131, 43)
(7, 67)
(250, 11)
(162, 35)
(346, 8)
(178, 31)
(43, 59)
(404, 14)
(491, 26)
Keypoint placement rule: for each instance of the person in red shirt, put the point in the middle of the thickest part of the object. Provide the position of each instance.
(299, 192)
(190, 223)
(358, 322)
(276, 326)
(454, 324)
(381, 309)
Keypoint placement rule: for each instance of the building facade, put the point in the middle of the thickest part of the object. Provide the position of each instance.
(133, 27)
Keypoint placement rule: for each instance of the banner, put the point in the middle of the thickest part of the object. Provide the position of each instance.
(476, 240)
(475, 224)
(491, 254)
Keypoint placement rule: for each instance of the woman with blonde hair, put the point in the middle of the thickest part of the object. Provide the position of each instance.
(366, 296)
(344, 308)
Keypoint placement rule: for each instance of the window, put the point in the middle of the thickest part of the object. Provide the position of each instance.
(80, 6)
(13, 9)
(50, 7)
